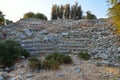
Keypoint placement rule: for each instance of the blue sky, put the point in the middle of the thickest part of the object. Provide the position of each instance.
(14, 9)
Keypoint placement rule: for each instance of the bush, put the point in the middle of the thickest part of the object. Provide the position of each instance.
(10, 51)
(67, 59)
(59, 57)
(51, 61)
(83, 55)
(50, 64)
(34, 63)
(25, 53)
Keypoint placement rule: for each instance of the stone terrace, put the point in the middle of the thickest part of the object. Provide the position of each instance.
(66, 36)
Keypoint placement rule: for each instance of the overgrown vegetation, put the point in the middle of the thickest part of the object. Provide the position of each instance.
(68, 11)
(50, 64)
(34, 63)
(10, 53)
(84, 55)
(51, 61)
(114, 12)
(35, 15)
(59, 57)
(4, 21)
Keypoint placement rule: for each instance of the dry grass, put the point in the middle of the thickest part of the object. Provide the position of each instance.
(114, 70)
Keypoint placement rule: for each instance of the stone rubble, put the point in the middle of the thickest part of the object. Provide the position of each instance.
(96, 37)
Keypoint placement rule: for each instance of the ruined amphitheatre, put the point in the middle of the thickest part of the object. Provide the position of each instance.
(97, 37)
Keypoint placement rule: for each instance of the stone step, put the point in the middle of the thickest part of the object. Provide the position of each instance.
(41, 48)
(79, 38)
(41, 52)
(75, 42)
(78, 35)
(73, 45)
(37, 45)
(70, 49)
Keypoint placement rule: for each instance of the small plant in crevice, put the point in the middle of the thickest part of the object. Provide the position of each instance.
(83, 55)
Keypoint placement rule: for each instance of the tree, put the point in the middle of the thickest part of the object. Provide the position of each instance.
(2, 19)
(76, 8)
(90, 16)
(29, 15)
(76, 11)
(73, 12)
(114, 12)
(8, 21)
(33, 15)
(54, 12)
(79, 11)
(61, 12)
(67, 11)
(10, 52)
(40, 16)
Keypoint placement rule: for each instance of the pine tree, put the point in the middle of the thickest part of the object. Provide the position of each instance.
(76, 11)
(67, 11)
(79, 11)
(2, 19)
(73, 12)
(61, 12)
(54, 12)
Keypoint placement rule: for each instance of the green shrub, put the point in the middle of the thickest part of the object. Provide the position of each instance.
(67, 59)
(50, 64)
(51, 61)
(25, 53)
(83, 55)
(10, 52)
(59, 57)
(34, 63)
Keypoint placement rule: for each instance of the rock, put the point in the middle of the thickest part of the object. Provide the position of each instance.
(118, 79)
(44, 31)
(77, 70)
(28, 32)
(7, 69)
(18, 77)
(29, 75)
(4, 74)
(103, 56)
(21, 65)
(118, 48)
(64, 33)
(22, 36)
(60, 74)
(1, 78)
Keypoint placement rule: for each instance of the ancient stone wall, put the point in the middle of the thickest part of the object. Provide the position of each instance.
(66, 36)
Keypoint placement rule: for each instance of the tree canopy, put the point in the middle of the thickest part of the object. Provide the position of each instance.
(114, 12)
(10, 52)
(90, 16)
(2, 19)
(66, 11)
(35, 15)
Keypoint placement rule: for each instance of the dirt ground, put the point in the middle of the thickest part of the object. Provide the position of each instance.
(87, 70)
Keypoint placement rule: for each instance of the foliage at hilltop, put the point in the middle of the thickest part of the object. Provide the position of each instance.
(68, 11)
(114, 12)
(4, 21)
(35, 15)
